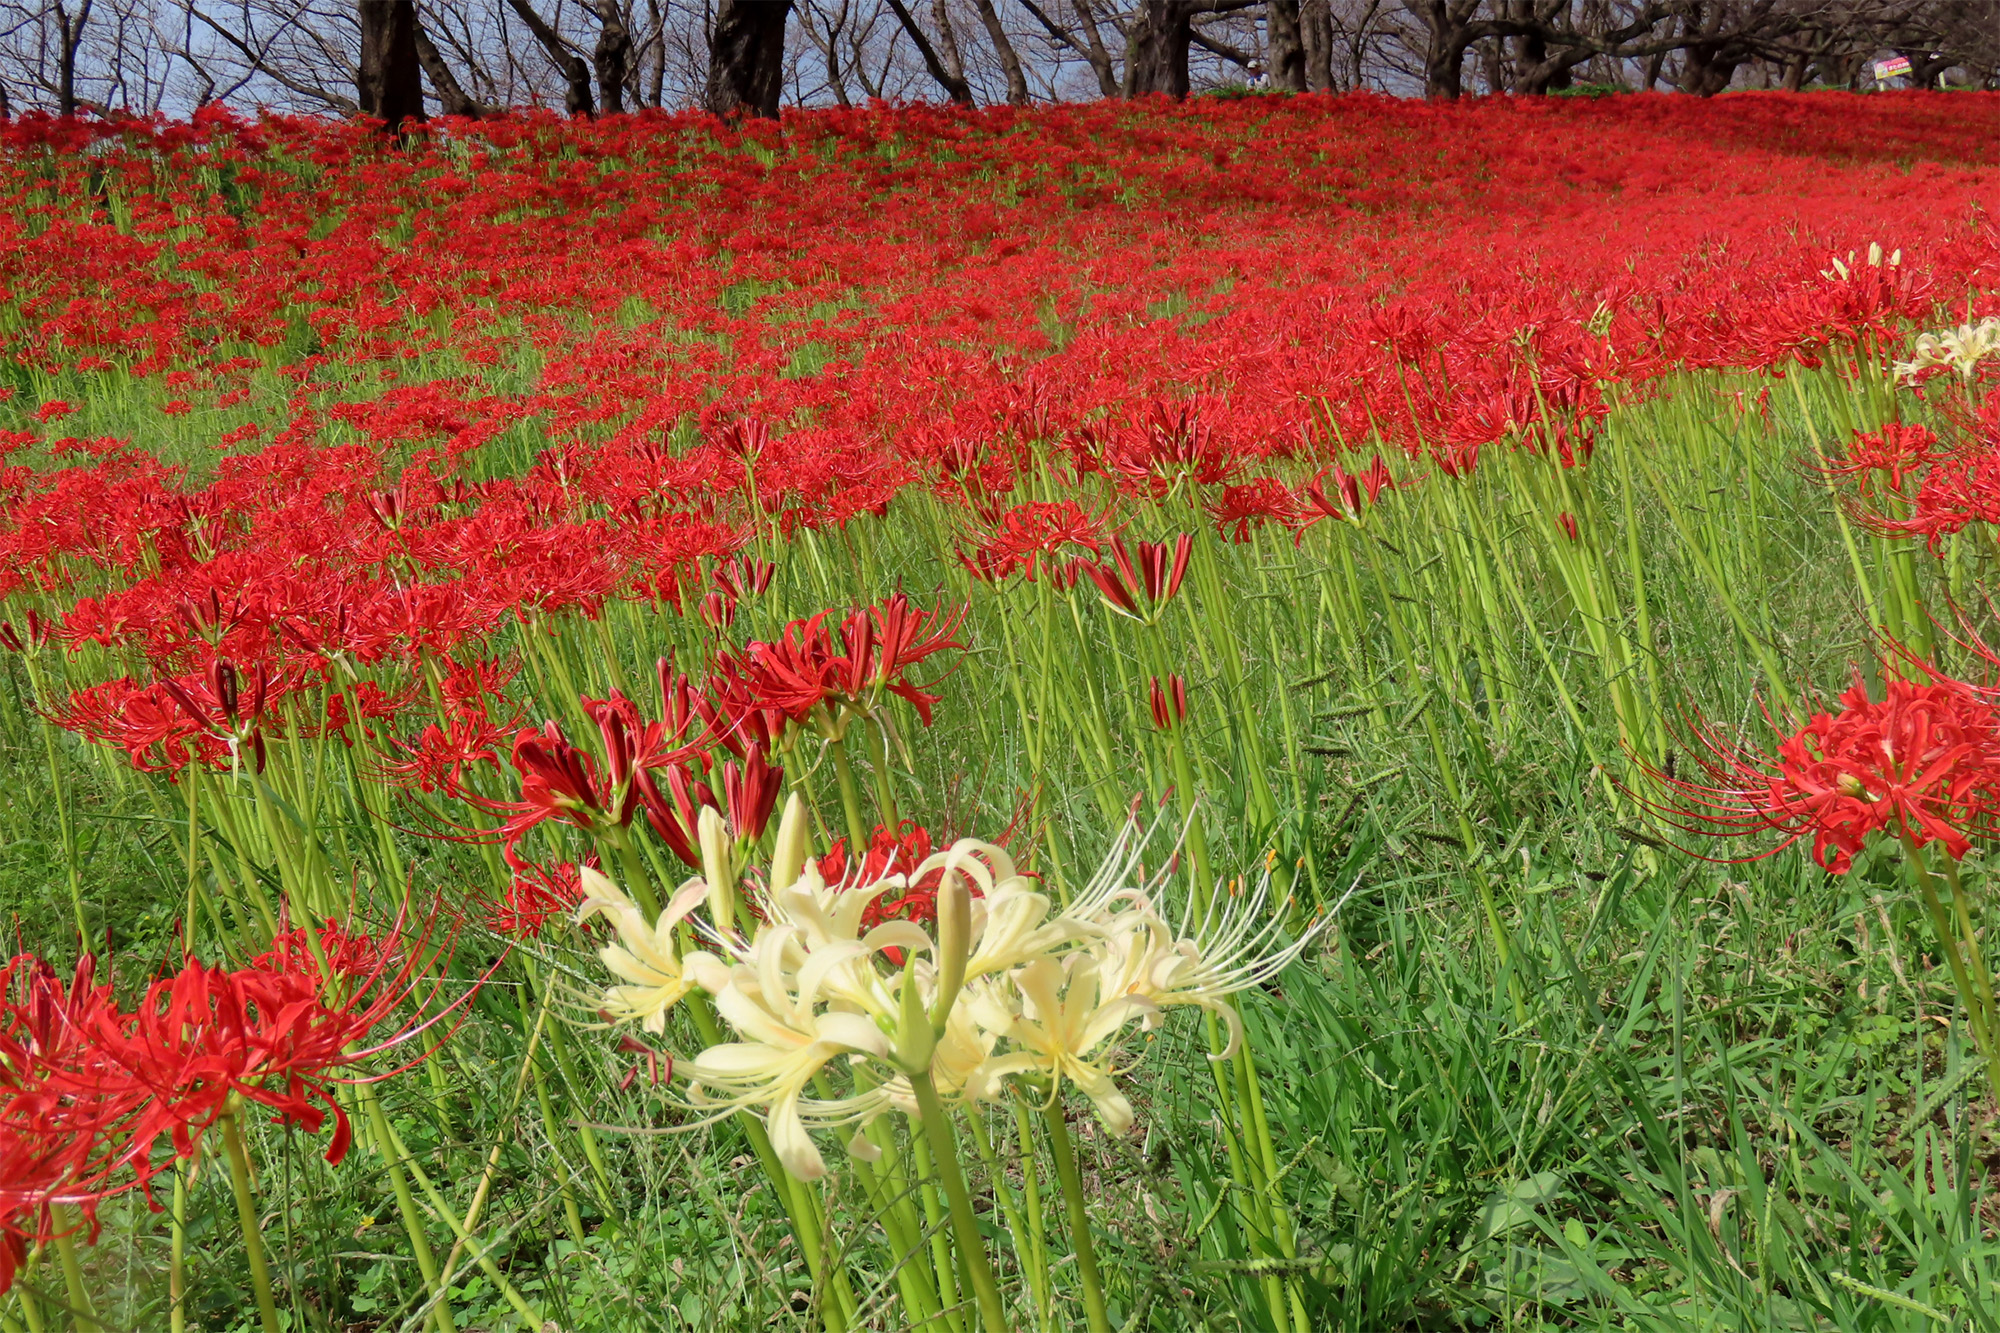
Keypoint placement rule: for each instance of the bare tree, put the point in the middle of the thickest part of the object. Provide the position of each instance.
(1286, 42)
(1003, 51)
(576, 75)
(1158, 43)
(747, 57)
(389, 84)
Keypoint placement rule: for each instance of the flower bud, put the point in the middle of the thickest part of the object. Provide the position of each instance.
(788, 858)
(954, 936)
(718, 867)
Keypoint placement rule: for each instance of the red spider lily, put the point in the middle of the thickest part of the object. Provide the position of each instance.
(37, 633)
(1567, 522)
(750, 793)
(1240, 508)
(806, 677)
(1029, 534)
(88, 1089)
(1923, 762)
(1169, 703)
(535, 894)
(217, 704)
(1345, 503)
(633, 1046)
(442, 751)
(1897, 450)
(276, 1034)
(889, 853)
(558, 781)
(674, 813)
(1148, 575)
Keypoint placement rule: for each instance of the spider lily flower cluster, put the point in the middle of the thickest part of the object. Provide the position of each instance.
(92, 1092)
(1005, 987)
(1006, 997)
(1918, 769)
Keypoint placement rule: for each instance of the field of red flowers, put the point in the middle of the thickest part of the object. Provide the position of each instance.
(639, 724)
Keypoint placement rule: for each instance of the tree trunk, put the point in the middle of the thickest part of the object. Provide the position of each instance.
(612, 56)
(1100, 59)
(1444, 66)
(1161, 35)
(1286, 44)
(390, 83)
(1010, 60)
(954, 84)
(1491, 66)
(70, 33)
(576, 75)
(947, 41)
(1706, 71)
(1795, 73)
(1447, 38)
(1316, 36)
(1550, 72)
(746, 63)
(450, 92)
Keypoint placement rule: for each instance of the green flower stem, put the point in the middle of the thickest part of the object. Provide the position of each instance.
(1244, 1173)
(850, 800)
(1079, 1216)
(891, 1208)
(935, 1222)
(638, 882)
(464, 1241)
(246, 1218)
(1037, 1259)
(1982, 979)
(1274, 1199)
(81, 1310)
(1975, 957)
(177, 1261)
(1009, 1206)
(406, 1206)
(921, 1303)
(1976, 1014)
(31, 1310)
(801, 1208)
(965, 1227)
(878, 759)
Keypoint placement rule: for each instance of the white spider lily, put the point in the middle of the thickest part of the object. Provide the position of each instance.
(1962, 349)
(788, 1038)
(1066, 1020)
(647, 957)
(1237, 945)
(1009, 986)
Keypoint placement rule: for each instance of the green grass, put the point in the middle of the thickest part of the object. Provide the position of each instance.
(1701, 1096)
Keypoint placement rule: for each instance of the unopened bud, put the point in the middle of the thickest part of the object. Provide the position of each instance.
(717, 867)
(954, 935)
(788, 858)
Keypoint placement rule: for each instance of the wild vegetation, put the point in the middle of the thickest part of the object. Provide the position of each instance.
(1108, 717)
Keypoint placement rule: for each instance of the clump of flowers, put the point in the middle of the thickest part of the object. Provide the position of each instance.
(1960, 349)
(1001, 994)
(1919, 767)
(1921, 764)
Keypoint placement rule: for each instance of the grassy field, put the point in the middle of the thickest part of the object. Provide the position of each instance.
(1541, 1067)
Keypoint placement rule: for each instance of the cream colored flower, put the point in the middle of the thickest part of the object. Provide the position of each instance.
(1064, 1032)
(647, 957)
(1961, 349)
(788, 1037)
